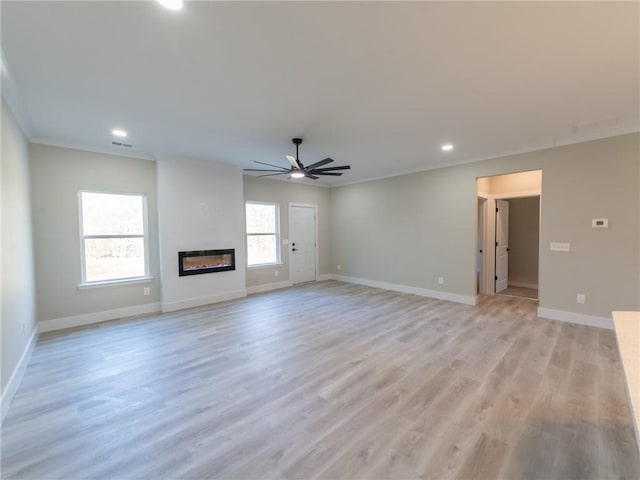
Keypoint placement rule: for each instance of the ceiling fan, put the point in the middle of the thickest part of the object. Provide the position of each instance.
(297, 169)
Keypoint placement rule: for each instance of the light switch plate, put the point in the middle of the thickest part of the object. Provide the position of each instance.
(560, 246)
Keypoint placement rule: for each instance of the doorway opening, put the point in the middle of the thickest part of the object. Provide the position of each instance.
(508, 229)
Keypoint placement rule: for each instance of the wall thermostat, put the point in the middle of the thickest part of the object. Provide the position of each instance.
(600, 222)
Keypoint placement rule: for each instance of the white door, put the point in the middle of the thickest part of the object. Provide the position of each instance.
(302, 243)
(502, 244)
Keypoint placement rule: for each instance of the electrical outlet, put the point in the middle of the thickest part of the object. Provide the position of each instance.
(147, 290)
(440, 280)
(560, 247)
(276, 273)
(339, 267)
(600, 223)
(581, 298)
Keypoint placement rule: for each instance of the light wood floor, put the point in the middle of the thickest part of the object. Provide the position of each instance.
(524, 292)
(327, 380)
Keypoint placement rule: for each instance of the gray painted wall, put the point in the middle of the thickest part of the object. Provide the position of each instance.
(57, 174)
(17, 313)
(281, 192)
(406, 230)
(524, 240)
(413, 228)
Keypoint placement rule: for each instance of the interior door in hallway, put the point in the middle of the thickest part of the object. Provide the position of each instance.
(502, 245)
(302, 243)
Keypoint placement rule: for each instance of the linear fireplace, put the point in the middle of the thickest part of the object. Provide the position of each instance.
(196, 262)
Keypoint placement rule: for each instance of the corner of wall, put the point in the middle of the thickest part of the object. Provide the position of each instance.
(16, 378)
(18, 312)
(422, 292)
(578, 318)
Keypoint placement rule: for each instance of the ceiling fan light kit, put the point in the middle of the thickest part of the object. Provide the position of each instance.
(297, 168)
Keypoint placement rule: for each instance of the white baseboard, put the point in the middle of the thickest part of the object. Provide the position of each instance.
(97, 317)
(423, 292)
(579, 318)
(266, 287)
(200, 301)
(16, 377)
(522, 284)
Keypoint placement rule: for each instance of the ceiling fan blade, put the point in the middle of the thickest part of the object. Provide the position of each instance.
(264, 170)
(314, 172)
(320, 163)
(292, 161)
(308, 175)
(271, 165)
(329, 169)
(273, 174)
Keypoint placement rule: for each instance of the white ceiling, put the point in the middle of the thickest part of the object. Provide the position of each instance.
(377, 85)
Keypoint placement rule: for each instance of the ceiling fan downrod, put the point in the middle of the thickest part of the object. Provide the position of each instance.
(297, 142)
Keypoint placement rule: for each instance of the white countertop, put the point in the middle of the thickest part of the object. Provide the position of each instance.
(627, 325)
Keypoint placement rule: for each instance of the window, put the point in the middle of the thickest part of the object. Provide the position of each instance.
(263, 234)
(113, 236)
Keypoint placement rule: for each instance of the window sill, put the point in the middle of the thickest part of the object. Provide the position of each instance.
(266, 265)
(114, 283)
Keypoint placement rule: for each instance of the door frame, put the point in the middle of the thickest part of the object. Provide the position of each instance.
(315, 216)
(489, 263)
(484, 284)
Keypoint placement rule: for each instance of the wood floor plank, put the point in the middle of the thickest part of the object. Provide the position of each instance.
(325, 380)
(486, 460)
(532, 455)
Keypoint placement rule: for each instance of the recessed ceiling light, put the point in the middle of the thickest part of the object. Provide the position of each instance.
(171, 4)
(119, 133)
(447, 147)
(297, 175)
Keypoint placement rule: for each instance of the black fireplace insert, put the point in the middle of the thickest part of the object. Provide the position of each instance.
(196, 262)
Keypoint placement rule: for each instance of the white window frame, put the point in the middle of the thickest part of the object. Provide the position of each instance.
(145, 236)
(277, 235)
